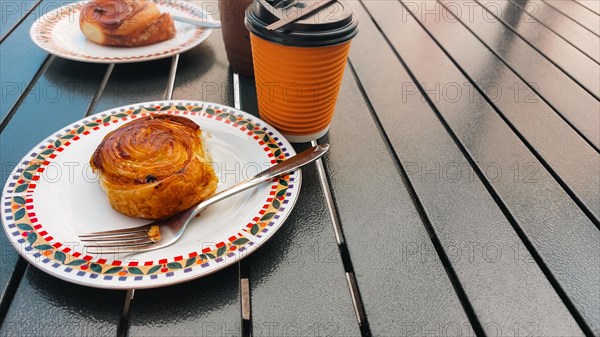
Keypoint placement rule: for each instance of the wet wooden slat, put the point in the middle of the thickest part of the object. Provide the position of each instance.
(578, 13)
(573, 160)
(62, 96)
(573, 62)
(521, 107)
(576, 105)
(580, 37)
(462, 213)
(359, 164)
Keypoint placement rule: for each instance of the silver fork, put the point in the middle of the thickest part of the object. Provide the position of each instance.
(136, 240)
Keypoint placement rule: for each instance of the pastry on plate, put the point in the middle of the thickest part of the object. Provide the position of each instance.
(125, 23)
(155, 167)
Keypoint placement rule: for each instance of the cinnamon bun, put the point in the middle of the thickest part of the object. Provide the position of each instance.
(154, 167)
(125, 23)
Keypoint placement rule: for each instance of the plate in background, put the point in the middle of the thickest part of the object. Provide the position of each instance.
(58, 33)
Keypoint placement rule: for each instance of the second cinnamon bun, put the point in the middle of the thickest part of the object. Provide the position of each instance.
(125, 23)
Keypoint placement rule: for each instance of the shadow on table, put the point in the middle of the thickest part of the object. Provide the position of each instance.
(203, 73)
(129, 83)
(197, 62)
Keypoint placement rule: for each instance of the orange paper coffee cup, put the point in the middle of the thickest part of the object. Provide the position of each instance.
(298, 70)
(297, 87)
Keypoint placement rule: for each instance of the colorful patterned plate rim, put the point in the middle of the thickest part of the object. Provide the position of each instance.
(58, 33)
(52, 196)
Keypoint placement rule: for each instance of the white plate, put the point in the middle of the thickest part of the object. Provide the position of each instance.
(52, 196)
(58, 33)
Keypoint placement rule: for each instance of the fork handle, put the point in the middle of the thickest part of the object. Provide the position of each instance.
(305, 157)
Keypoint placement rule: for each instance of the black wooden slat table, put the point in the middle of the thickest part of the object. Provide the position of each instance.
(460, 197)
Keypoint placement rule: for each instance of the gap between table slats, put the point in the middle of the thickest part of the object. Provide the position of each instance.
(243, 274)
(355, 294)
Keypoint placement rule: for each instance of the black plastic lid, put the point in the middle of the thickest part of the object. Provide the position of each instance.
(331, 24)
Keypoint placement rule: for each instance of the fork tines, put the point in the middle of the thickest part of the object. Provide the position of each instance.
(121, 239)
